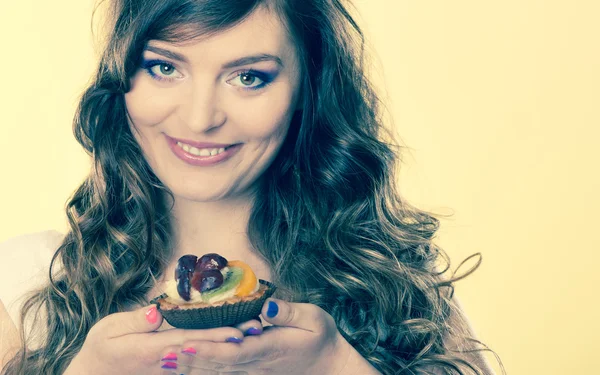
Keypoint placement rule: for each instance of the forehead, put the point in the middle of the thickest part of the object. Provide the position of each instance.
(261, 32)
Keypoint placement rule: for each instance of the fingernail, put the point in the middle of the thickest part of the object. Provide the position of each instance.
(253, 331)
(151, 315)
(234, 339)
(170, 357)
(272, 309)
(190, 351)
(169, 365)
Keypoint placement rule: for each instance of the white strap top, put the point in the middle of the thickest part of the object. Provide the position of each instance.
(24, 263)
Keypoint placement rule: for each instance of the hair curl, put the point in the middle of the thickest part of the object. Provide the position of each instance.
(328, 217)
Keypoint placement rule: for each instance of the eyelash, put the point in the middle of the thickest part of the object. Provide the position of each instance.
(150, 64)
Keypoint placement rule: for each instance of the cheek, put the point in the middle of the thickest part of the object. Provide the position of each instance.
(264, 118)
(146, 107)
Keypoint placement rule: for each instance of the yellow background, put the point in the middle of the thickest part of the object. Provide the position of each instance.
(497, 102)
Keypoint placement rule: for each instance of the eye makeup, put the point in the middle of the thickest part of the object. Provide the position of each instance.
(152, 66)
(265, 78)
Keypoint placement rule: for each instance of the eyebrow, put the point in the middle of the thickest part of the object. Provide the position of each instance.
(246, 60)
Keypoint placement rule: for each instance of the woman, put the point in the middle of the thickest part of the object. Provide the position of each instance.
(244, 127)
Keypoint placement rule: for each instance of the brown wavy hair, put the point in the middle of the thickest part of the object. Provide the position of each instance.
(328, 216)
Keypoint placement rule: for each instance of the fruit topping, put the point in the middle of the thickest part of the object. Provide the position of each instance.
(207, 279)
(211, 261)
(183, 275)
(249, 280)
(233, 276)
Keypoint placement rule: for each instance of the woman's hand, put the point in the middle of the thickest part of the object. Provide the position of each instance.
(128, 343)
(303, 339)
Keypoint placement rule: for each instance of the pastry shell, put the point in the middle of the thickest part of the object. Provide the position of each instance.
(228, 312)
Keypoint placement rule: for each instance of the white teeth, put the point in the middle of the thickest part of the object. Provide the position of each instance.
(200, 151)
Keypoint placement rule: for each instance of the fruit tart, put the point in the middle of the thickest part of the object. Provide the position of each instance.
(211, 291)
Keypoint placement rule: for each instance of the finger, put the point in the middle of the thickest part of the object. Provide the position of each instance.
(217, 369)
(230, 356)
(177, 337)
(144, 320)
(170, 359)
(206, 367)
(174, 362)
(251, 328)
(187, 370)
(304, 316)
(198, 371)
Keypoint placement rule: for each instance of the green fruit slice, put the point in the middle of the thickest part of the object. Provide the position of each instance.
(231, 280)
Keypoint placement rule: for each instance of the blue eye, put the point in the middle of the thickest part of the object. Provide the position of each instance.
(161, 70)
(251, 80)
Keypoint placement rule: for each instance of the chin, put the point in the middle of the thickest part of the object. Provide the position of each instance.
(206, 188)
(199, 195)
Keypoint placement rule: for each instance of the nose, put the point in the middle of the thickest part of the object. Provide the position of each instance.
(200, 109)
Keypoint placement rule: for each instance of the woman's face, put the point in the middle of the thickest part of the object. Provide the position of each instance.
(210, 115)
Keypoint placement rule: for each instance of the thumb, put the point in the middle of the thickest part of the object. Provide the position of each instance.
(146, 319)
(304, 316)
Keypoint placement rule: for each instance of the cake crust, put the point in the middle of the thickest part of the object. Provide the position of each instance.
(166, 305)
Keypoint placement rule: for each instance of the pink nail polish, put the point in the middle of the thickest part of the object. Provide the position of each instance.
(170, 357)
(152, 315)
(190, 351)
(169, 365)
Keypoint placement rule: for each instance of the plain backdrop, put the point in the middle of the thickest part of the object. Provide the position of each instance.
(496, 102)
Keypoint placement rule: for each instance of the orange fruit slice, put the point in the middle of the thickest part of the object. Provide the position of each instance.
(249, 279)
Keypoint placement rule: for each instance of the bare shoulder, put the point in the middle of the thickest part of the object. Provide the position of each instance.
(461, 339)
(31, 241)
(9, 336)
(24, 264)
(33, 249)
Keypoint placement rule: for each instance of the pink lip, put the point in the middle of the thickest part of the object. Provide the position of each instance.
(202, 160)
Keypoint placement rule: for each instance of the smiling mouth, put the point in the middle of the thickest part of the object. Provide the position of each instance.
(203, 151)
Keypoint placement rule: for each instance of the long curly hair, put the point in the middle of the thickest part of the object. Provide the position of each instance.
(328, 217)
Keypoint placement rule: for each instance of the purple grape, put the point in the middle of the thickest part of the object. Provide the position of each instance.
(183, 275)
(207, 280)
(185, 264)
(184, 288)
(211, 261)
